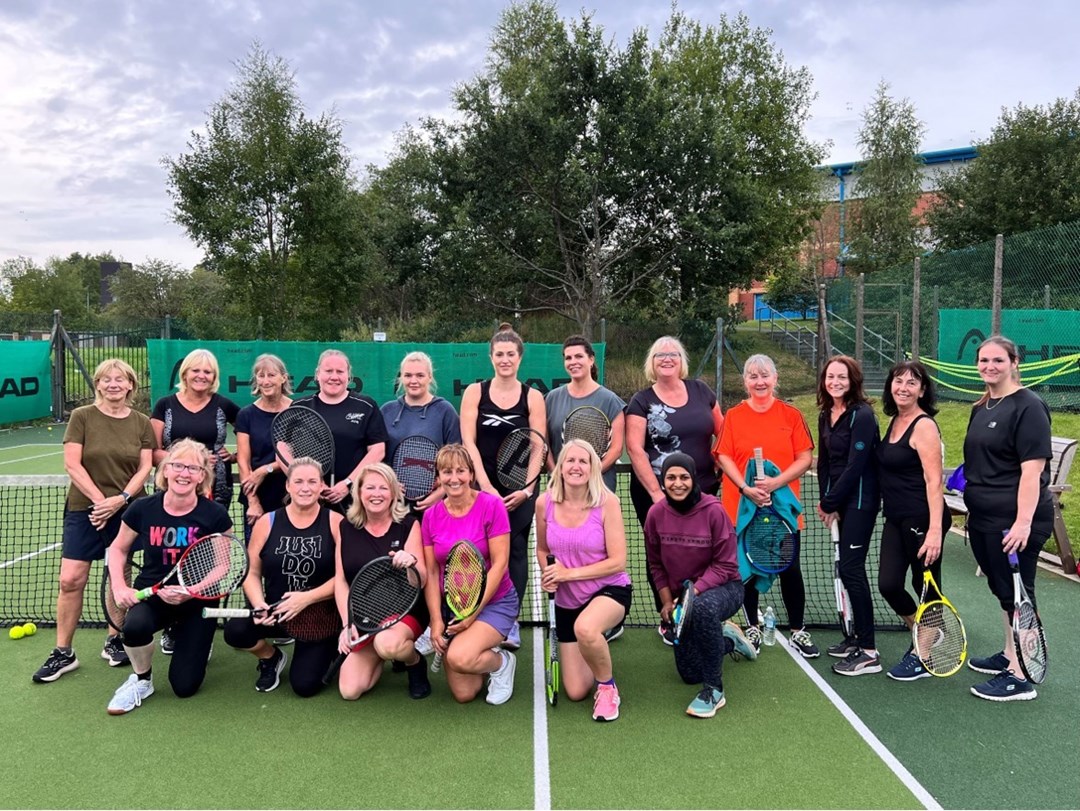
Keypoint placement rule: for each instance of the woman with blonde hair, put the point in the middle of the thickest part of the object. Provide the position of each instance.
(108, 450)
(579, 524)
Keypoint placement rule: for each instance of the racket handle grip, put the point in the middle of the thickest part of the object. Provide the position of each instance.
(335, 666)
(436, 663)
(1013, 559)
(145, 594)
(225, 613)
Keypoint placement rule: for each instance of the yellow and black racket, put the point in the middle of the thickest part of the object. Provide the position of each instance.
(938, 637)
(464, 581)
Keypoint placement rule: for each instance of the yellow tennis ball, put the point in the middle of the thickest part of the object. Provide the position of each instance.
(16, 632)
(29, 629)
(50, 427)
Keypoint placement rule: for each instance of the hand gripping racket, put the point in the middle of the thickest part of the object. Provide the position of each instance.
(414, 465)
(301, 431)
(521, 458)
(464, 581)
(1028, 635)
(938, 637)
(843, 601)
(590, 424)
(380, 596)
(684, 610)
(551, 671)
(769, 540)
(115, 614)
(318, 622)
(209, 569)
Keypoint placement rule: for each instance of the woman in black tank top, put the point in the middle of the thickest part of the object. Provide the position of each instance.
(916, 520)
(489, 411)
(292, 552)
(377, 524)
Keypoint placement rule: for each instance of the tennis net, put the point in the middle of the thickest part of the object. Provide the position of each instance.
(31, 528)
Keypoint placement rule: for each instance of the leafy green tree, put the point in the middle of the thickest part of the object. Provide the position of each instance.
(887, 184)
(267, 192)
(1026, 176)
(154, 289)
(71, 285)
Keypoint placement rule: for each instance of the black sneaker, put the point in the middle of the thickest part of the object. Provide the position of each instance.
(842, 649)
(858, 663)
(611, 634)
(270, 671)
(419, 686)
(56, 666)
(990, 665)
(801, 641)
(114, 652)
(167, 642)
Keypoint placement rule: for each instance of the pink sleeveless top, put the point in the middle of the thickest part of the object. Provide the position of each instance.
(575, 547)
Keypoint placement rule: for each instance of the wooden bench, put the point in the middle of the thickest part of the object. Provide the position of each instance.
(1063, 453)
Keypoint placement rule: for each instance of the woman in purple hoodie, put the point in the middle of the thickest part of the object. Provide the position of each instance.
(689, 538)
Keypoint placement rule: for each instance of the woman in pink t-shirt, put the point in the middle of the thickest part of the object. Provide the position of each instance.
(579, 522)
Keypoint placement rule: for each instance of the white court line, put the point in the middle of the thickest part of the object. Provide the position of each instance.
(872, 740)
(31, 445)
(28, 458)
(28, 555)
(541, 766)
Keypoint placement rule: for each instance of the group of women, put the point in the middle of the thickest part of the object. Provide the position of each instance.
(308, 538)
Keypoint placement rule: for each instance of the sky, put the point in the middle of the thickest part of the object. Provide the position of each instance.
(93, 95)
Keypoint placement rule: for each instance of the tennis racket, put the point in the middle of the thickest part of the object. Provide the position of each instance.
(115, 614)
(414, 465)
(684, 610)
(301, 431)
(938, 637)
(590, 424)
(209, 569)
(769, 540)
(1028, 635)
(521, 458)
(380, 596)
(318, 622)
(551, 672)
(464, 581)
(843, 601)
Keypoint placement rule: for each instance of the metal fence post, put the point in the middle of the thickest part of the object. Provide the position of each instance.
(995, 307)
(719, 359)
(166, 329)
(916, 297)
(859, 325)
(58, 350)
(935, 317)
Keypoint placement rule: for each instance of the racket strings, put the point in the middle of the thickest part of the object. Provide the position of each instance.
(381, 593)
(939, 639)
(303, 432)
(463, 582)
(315, 623)
(520, 459)
(212, 566)
(414, 464)
(1032, 642)
(770, 543)
(590, 427)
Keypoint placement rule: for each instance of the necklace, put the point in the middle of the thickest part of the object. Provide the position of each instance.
(999, 401)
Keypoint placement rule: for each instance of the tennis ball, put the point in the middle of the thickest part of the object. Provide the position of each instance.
(16, 632)
(50, 427)
(29, 629)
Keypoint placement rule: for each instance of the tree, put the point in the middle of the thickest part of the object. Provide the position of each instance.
(887, 185)
(153, 289)
(1025, 177)
(267, 193)
(579, 175)
(71, 285)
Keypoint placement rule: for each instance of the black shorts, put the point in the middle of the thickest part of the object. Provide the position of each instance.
(566, 617)
(82, 540)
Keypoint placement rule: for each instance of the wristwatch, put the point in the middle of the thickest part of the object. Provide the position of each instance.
(348, 483)
(126, 496)
(269, 469)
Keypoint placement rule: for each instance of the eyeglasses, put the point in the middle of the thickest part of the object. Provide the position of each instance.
(180, 467)
(667, 355)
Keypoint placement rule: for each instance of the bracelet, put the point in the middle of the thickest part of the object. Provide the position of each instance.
(269, 469)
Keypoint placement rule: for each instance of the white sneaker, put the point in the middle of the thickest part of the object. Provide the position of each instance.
(501, 682)
(423, 643)
(130, 695)
(513, 639)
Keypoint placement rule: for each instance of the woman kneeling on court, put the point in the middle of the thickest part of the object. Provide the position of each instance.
(379, 524)
(579, 522)
(688, 537)
(481, 518)
(292, 569)
(164, 524)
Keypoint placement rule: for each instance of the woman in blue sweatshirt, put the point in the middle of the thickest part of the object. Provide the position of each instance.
(689, 539)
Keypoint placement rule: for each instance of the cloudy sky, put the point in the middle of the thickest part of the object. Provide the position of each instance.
(93, 94)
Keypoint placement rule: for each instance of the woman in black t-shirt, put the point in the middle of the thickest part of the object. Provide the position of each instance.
(1008, 498)
(489, 411)
(292, 567)
(379, 523)
(164, 525)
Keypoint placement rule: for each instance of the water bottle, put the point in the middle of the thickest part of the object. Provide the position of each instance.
(770, 626)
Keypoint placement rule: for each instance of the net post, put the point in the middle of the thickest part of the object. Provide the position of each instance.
(58, 368)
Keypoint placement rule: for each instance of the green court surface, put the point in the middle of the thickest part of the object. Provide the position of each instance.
(37, 451)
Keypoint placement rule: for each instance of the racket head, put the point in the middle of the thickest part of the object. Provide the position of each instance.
(414, 465)
(1029, 638)
(685, 610)
(521, 458)
(301, 431)
(381, 594)
(318, 622)
(938, 637)
(771, 545)
(213, 566)
(591, 425)
(114, 614)
(464, 579)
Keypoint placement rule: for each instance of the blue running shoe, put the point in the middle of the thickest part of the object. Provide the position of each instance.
(990, 665)
(1005, 687)
(706, 703)
(743, 646)
(909, 668)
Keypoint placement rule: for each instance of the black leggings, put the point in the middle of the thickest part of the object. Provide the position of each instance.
(792, 592)
(520, 523)
(310, 660)
(900, 544)
(193, 637)
(856, 529)
(986, 547)
(699, 656)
